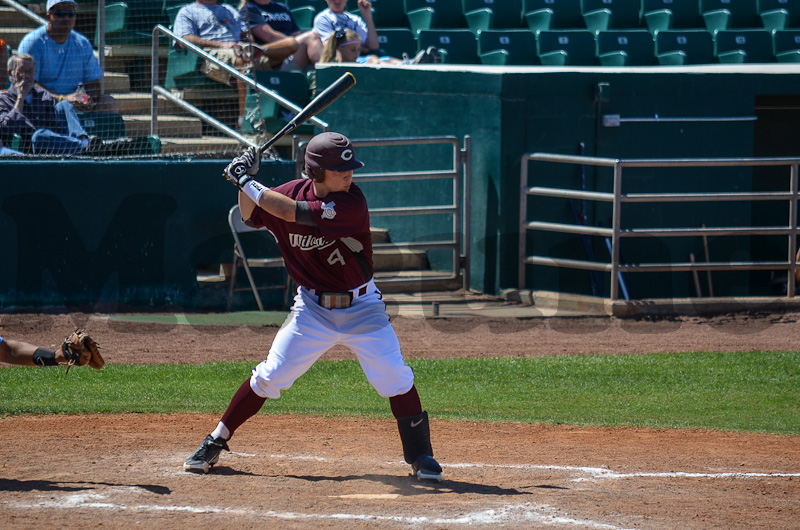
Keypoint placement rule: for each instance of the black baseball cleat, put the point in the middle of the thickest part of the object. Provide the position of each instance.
(426, 468)
(206, 455)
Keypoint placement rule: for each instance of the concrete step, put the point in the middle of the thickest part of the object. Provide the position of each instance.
(139, 103)
(168, 126)
(14, 19)
(416, 281)
(399, 259)
(379, 235)
(220, 146)
(116, 83)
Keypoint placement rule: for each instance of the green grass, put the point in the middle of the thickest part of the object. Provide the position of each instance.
(753, 391)
(237, 318)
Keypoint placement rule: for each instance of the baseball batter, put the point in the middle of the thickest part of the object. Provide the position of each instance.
(322, 227)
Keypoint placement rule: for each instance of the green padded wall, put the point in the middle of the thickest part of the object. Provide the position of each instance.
(79, 233)
(152, 223)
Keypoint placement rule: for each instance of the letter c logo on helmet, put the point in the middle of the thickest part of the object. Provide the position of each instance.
(347, 155)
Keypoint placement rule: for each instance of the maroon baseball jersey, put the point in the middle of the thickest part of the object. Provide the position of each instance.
(334, 255)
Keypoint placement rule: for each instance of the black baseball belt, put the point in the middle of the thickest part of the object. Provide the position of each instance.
(340, 299)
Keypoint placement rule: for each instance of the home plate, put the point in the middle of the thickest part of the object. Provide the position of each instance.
(367, 496)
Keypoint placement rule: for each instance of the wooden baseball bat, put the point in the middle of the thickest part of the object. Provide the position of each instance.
(317, 105)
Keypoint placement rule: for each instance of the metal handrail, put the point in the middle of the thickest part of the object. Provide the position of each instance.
(158, 90)
(460, 175)
(617, 198)
(27, 12)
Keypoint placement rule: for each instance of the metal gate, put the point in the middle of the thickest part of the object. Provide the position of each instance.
(616, 233)
(459, 174)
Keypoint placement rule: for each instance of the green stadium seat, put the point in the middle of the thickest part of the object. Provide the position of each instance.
(396, 41)
(434, 14)
(183, 72)
(671, 14)
(131, 23)
(744, 46)
(552, 14)
(508, 47)
(600, 15)
(492, 14)
(574, 47)
(357, 12)
(457, 46)
(779, 14)
(689, 46)
(106, 125)
(116, 22)
(786, 45)
(389, 14)
(304, 16)
(725, 14)
(625, 47)
(318, 5)
(292, 85)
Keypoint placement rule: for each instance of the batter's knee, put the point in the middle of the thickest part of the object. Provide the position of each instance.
(394, 385)
(267, 383)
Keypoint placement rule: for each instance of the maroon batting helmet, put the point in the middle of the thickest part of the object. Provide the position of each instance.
(331, 151)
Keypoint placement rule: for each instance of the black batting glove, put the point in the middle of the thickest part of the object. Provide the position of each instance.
(243, 168)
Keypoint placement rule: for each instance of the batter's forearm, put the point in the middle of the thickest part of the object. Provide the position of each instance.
(271, 202)
(203, 43)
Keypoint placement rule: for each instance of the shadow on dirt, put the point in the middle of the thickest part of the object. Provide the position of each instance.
(49, 485)
(411, 486)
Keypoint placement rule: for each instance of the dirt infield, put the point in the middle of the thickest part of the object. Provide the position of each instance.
(124, 471)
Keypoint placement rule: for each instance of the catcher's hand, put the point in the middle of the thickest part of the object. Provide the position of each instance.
(244, 167)
(80, 349)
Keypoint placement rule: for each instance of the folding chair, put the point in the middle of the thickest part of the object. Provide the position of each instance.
(241, 260)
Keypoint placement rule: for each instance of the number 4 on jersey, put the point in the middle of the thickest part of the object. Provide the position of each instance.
(335, 257)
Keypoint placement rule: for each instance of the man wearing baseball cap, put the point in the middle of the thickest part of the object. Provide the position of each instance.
(322, 227)
(65, 63)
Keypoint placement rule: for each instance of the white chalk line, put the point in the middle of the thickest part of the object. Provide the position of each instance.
(605, 473)
(525, 513)
(594, 473)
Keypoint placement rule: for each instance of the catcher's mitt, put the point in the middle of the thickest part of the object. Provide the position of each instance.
(80, 349)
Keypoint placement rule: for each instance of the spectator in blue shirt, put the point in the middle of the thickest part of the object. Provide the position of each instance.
(271, 22)
(217, 28)
(65, 63)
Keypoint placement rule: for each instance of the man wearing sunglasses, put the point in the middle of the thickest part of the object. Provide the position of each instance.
(65, 63)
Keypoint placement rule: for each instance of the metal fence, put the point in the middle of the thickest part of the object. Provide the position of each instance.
(459, 174)
(616, 233)
(158, 90)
